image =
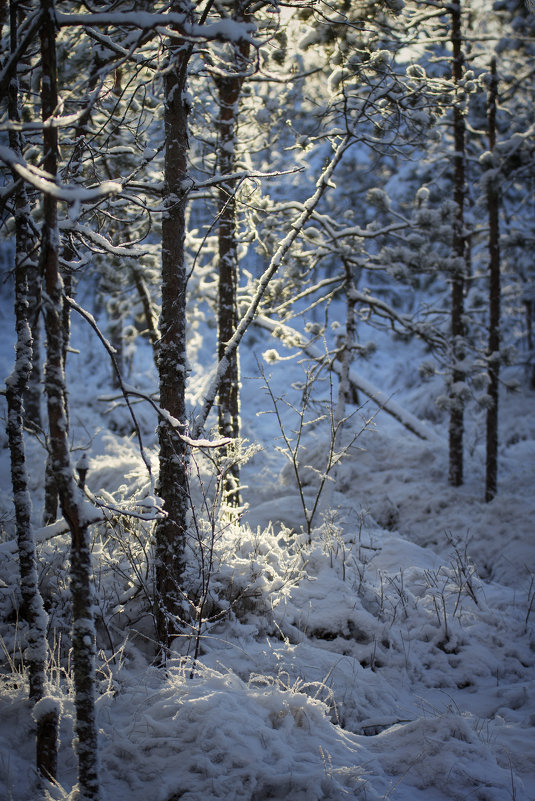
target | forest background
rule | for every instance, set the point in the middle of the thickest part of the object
(239, 241)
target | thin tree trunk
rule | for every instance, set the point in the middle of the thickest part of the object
(229, 90)
(456, 427)
(50, 507)
(71, 500)
(171, 532)
(344, 384)
(32, 604)
(529, 306)
(228, 397)
(50, 511)
(33, 391)
(150, 318)
(345, 393)
(116, 329)
(33, 417)
(493, 201)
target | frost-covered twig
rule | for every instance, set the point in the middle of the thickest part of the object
(294, 339)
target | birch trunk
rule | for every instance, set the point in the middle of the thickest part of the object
(16, 385)
(71, 500)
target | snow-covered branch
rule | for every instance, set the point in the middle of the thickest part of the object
(45, 183)
(173, 24)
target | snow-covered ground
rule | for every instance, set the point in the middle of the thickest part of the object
(389, 657)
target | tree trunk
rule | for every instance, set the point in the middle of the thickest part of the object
(33, 418)
(32, 604)
(151, 323)
(493, 202)
(456, 427)
(229, 88)
(71, 500)
(173, 488)
(50, 511)
(116, 330)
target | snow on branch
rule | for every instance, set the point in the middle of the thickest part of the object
(225, 30)
(164, 415)
(64, 121)
(44, 182)
(96, 242)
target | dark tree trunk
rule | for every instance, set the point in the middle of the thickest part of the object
(50, 510)
(33, 418)
(173, 487)
(229, 90)
(33, 393)
(146, 302)
(348, 393)
(227, 313)
(456, 427)
(32, 604)
(116, 329)
(493, 202)
(71, 500)
(529, 306)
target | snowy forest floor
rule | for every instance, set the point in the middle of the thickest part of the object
(391, 657)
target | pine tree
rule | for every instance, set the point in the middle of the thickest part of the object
(172, 364)
(229, 84)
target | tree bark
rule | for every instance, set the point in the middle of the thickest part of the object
(456, 426)
(32, 611)
(170, 532)
(493, 203)
(229, 90)
(71, 500)
(33, 392)
(151, 323)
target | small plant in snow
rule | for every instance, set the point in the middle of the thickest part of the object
(305, 418)
(333, 541)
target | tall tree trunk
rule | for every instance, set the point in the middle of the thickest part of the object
(32, 604)
(50, 511)
(71, 500)
(229, 89)
(493, 202)
(456, 427)
(173, 487)
(33, 393)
